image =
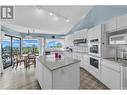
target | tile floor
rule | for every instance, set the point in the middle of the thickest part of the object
(25, 79)
(87, 81)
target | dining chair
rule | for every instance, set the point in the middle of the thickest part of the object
(14, 60)
(20, 60)
(32, 58)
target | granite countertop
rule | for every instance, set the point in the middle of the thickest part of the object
(51, 63)
(119, 62)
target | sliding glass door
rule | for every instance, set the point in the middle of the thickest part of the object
(10, 46)
(6, 51)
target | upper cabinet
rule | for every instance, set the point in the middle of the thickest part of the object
(110, 25)
(77, 35)
(82, 34)
(95, 32)
(69, 40)
(122, 22)
(116, 23)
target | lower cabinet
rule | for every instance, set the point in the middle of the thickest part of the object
(110, 77)
(67, 77)
(85, 60)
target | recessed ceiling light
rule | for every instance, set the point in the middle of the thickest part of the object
(51, 14)
(67, 20)
(39, 11)
(55, 18)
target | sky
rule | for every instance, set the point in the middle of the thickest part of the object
(54, 43)
(16, 43)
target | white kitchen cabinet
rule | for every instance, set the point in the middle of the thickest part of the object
(110, 25)
(80, 57)
(85, 60)
(95, 33)
(82, 34)
(110, 74)
(44, 76)
(66, 77)
(66, 41)
(122, 22)
(110, 78)
(69, 40)
(124, 77)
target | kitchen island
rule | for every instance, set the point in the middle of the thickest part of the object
(61, 73)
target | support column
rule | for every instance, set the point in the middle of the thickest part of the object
(41, 46)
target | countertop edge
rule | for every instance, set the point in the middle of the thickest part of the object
(77, 61)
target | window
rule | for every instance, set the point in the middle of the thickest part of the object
(54, 44)
(30, 45)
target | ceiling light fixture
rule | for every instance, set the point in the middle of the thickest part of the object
(55, 14)
(67, 20)
(28, 36)
(55, 18)
(39, 11)
(51, 14)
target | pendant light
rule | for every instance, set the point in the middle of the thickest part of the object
(28, 36)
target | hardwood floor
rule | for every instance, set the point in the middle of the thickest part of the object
(25, 79)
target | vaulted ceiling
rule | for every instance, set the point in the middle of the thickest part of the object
(47, 19)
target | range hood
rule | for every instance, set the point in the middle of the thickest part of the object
(80, 41)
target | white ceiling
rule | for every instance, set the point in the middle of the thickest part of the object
(39, 19)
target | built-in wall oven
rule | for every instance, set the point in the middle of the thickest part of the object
(94, 47)
(95, 63)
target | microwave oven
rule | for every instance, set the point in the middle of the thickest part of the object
(118, 39)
